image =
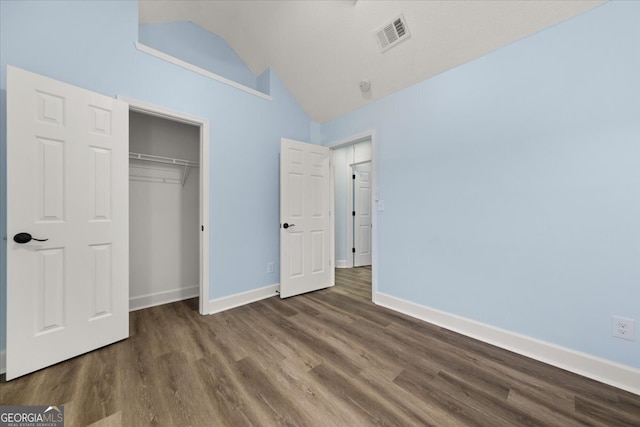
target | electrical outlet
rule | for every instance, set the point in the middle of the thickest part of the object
(623, 328)
(269, 267)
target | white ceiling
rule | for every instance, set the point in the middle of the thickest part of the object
(322, 49)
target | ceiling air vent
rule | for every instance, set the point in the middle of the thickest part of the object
(392, 33)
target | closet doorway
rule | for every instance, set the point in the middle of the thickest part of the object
(168, 207)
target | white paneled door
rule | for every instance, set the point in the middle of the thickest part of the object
(67, 221)
(362, 217)
(305, 218)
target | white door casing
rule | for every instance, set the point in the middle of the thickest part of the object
(305, 218)
(67, 182)
(362, 217)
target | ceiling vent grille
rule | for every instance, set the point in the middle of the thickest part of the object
(392, 33)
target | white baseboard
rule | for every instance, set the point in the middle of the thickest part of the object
(615, 374)
(341, 263)
(3, 362)
(164, 297)
(225, 303)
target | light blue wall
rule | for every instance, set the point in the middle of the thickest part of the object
(263, 82)
(90, 44)
(512, 185)
(193, 44)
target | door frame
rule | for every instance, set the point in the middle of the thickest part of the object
(369, 135)
(203, 124)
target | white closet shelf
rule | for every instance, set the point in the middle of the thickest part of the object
(146, 167)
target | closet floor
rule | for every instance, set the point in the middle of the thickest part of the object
(327, 358)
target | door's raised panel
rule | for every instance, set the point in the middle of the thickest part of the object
(50, 108)
(296, 157)
(317, 160)
(50, 192)
(365, 241)
(50, 295)
(364, 178)
(101, 281)
(99, 121)
(317, 196)
(100, 184)
(296, 254)
(365, 201)
(296, 198)
(317, 252)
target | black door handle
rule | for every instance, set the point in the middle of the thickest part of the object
(26, 238)
(285, 225)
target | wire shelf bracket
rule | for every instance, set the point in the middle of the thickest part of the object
(146, 167)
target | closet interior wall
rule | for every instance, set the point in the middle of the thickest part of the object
(163, 213)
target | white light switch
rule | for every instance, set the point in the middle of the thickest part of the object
(380, 205)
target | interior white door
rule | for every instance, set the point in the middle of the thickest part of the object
(305, 218)
(67, 184)
(362, 217)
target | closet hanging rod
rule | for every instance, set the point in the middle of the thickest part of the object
(165, 160)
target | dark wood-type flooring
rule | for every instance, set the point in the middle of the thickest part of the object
(327, 358)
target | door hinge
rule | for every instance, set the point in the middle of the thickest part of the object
(353, 250)
(353, 176)
(202, 227)
(353, 213)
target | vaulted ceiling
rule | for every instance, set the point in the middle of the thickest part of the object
(322, 49)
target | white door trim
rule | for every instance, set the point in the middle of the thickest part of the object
(351, 140)
(203, 124)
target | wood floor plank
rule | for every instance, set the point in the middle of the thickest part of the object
(97, 393)
(420, 411)
(300, 356)
(266, 394)
(231, 405)
(326, 358)
(181, 391)
(316, 344)
(113, 420)
(359, 398)
(546, 415)
(422, 387)
(605, 413)
(141, 402)
(480, 399)
(342, 340)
